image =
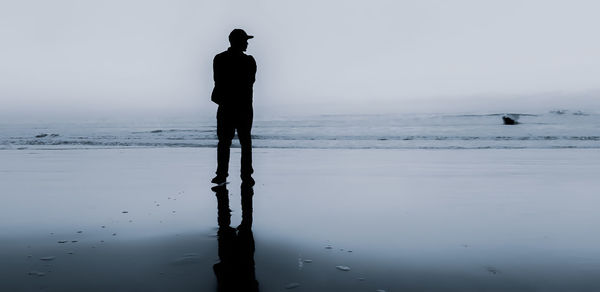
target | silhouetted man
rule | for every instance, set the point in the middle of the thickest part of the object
(234, 74)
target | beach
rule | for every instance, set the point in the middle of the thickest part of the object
(145, 219)
(419, 146)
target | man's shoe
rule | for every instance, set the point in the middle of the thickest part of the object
(248, 181)
(219, 180)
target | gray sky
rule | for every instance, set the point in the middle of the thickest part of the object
(148, 56)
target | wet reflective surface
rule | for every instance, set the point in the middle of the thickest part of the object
(235, 270)
(321, 220)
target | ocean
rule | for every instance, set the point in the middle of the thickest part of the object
(554, 129)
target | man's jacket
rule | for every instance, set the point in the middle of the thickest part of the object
(234, 74)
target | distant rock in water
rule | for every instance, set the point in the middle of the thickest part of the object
(42, 135)
(510, 119)
(559, 111)
(156, 131)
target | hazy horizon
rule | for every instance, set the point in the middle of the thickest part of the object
(145, 58)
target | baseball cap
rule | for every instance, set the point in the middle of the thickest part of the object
(239, 34)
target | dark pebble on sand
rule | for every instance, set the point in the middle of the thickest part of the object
(492, 270)
(50, 258)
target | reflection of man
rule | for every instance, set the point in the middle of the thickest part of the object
(235, 270)
(234, 74)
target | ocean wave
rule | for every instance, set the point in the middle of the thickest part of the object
(488, 115)
(427, 138)
(324, 142)
(431, 131)
(111, 146)
(109, 143)
(158, 131)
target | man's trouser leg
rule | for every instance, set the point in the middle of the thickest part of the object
(225, 133)
(244, 134)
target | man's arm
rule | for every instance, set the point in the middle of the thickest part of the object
(252, 70)
(218, 77)
(217, 70)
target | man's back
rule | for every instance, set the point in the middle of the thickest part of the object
(234, 74)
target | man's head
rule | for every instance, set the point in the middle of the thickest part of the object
(238, 39)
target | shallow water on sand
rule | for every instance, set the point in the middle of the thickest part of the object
(324, 220)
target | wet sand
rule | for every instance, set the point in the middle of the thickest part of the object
(417, 220)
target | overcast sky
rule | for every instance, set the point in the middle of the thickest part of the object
(149, 56)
